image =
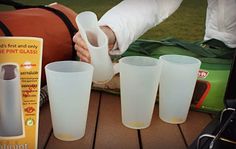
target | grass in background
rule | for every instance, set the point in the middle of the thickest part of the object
(187, 23)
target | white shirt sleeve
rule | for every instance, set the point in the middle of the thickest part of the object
(132, 18)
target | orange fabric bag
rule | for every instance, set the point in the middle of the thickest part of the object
(54, 23)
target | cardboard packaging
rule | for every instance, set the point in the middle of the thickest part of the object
(20, 75)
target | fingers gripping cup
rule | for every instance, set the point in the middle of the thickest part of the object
(178, 79)
(139, 78)
(69, 86)
(11, 114)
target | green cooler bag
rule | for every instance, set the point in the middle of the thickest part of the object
(216, 60)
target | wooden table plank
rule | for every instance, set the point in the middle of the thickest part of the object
(104, 122)
(111, 133)
(87, 141)
(161, 134)
(194, 124)
(45, 125)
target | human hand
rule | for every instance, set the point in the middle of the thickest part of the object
(82, 49)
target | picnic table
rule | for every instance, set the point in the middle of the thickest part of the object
(105, 130)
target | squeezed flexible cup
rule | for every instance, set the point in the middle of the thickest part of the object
(11, 114)
(178, 78)
(139, 78)
(97, 43)
(69, 86)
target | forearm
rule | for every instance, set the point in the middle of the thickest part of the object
(110, 35)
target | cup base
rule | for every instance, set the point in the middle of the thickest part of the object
(101, 82)
(173, 120)
(136, 125)
(67, 138)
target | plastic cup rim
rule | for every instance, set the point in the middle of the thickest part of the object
(191, 60)
(155, 62)
(87, 67)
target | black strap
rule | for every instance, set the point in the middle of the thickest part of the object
(72, 30)
(16, 5)
(5, 30)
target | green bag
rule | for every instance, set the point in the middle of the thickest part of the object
(216, 60)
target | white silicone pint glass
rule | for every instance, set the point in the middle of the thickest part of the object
(69, 87)
(178, 78)
(98, 47)
(11, 113)
(139, 78)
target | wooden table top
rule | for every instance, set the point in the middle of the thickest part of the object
(105, 130)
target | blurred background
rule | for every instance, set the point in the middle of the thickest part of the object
(187, 23)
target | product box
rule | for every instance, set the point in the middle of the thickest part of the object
(20, 73)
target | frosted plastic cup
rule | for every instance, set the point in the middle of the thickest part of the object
(98, 47)
(139, 78)
(178, 78)
(69, 87)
